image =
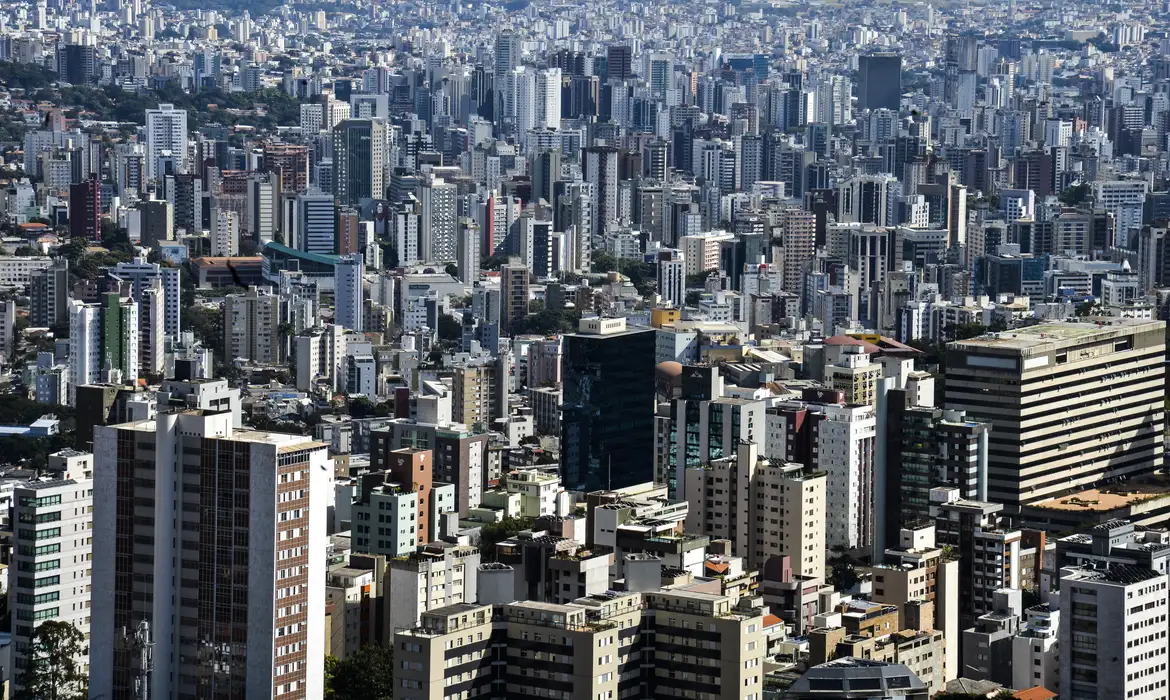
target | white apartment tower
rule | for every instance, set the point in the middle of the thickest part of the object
(166, 135)
(49, 576)
(1113, 638)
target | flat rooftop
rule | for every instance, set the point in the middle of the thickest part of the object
(1112, 497)
(1058, 333)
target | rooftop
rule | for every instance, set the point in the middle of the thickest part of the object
(1049, 336)
(1112, 497)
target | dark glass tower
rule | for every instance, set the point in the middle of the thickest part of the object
(607, 424)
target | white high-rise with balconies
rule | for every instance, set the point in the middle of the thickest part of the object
(166, 134)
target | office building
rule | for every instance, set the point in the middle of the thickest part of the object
(233, 590)
(313, 228)
(879, 81)
(460, 454)
(359, 160)
(85, 210)
(431, 577)
(1071, 404)
(348, 292)
(607, 422)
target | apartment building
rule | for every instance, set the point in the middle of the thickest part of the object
(251, 326)
(821, 431)
(216, 537)
(433, 577)
(51, 567)
(665, 643)
(988, 549)
(765, 508)
(1113, 636)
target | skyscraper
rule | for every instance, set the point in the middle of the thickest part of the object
(49, 294)
(439, 213)
(166, 135)
(359, 160)
(879, 81)
(607, 424)
(350, 274)
(314, 226)
(514, 294)
(85, 210)
(619, 59)
(230, 587)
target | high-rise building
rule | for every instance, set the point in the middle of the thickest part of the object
(103, 337)
(225, 233)
(348, 294)
(607, 424)
(601, 172)
(439, 221)
(987, 546)
(1113, 637)
(513, 294)
(928, 447)
(359, 160)
(658, 626)
(879, 81)
(158, 222)
(823, 432)
(314, 224)
(142, 274)
(672, 277)
(1071, 404)
(290, 163)
(459, 450)
(765, 508)
(166, 138)
(619, 61)
(51, 566)
(251, 326)
(85, 210)
(231, 590)
(49, 295)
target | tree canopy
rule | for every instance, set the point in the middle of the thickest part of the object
(367, 674)
(53, 672)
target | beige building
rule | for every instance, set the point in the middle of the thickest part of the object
(924, 584)
(681, 642)
(765, 507)
(250, 326)
(1072, 404)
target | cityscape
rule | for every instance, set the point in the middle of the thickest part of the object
(446, 349)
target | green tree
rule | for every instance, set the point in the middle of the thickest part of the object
(367, 674)
(450, 329)
(494, 533)
(1074, 195)
(53, 672)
